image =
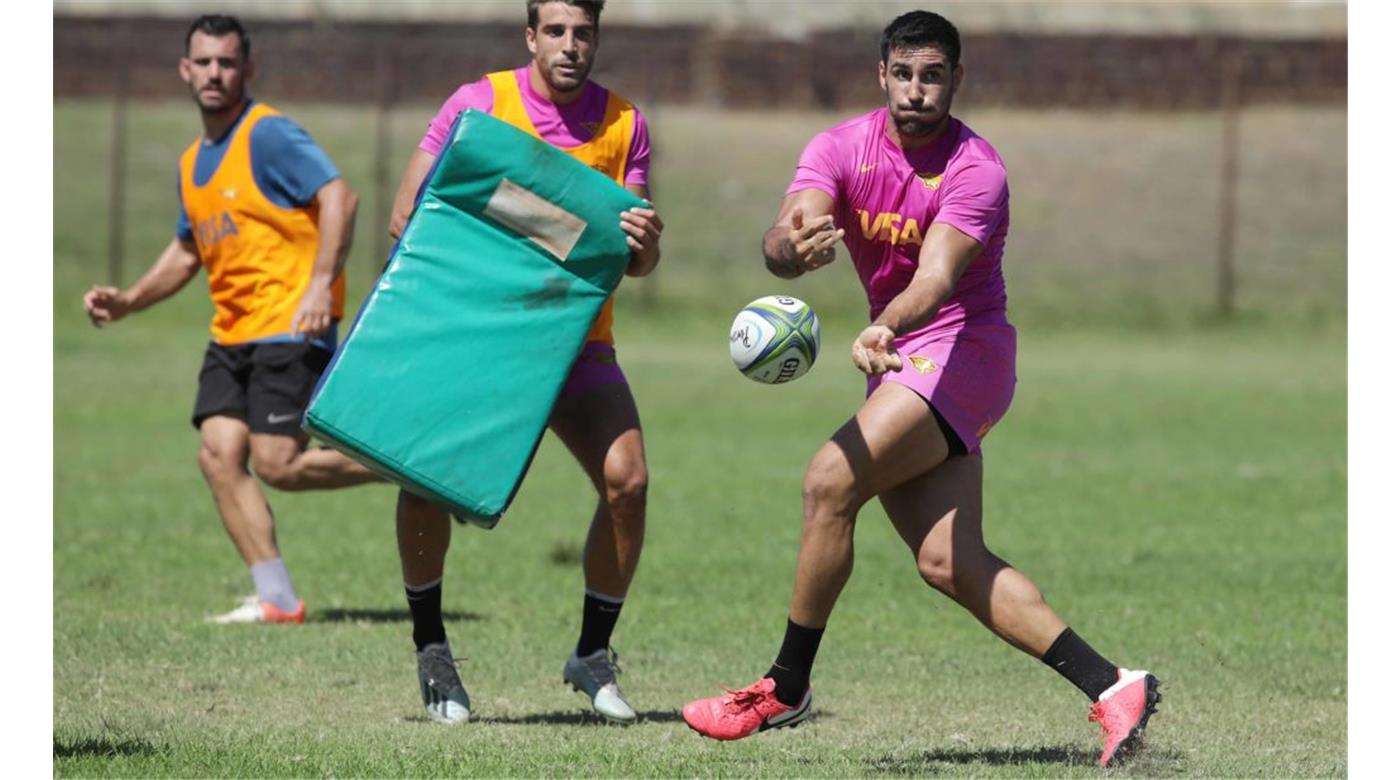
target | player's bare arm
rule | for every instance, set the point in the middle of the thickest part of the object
(335, 221)
(804, 236)
(643, 228)
(177, 264)
(413, 175)
(946, 253)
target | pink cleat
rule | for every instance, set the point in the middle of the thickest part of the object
(1122, 711)
(738, 714)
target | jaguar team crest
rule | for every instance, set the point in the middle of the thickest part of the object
(922, 364)
(930, 180)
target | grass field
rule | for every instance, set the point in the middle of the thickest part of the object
(1176, 486)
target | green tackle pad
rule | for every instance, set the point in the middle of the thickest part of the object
(446, 381)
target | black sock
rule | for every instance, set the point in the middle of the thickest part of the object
(1074, 659)
(599, 618)
(426, 607)
(792, 672)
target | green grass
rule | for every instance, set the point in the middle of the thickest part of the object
(1178, 491)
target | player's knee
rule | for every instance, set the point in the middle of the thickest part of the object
(936, 569)
(627, 485)
(828, 484)
(417, 513)
(217, 465)
(276, 474)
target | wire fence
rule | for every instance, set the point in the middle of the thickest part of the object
(381, 66)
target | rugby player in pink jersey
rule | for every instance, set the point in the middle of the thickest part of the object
(921, 203)
(553, 99)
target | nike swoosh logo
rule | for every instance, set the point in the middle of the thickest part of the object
(281, 418)
(868, 168)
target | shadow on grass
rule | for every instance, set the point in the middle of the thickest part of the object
(381, 616)
(100, 747)
(562, 718)
(927, 763)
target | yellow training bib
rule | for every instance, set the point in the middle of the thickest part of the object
(605, 152)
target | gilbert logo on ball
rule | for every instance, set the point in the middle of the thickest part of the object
(775, 339)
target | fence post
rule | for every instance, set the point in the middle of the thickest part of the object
(116, 185)
(383, 138)
(1231, 72)
(707, 67)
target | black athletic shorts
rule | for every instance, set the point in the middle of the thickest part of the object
(956, 448)
(267, 385)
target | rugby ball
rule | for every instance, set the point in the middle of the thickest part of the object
(775, 339)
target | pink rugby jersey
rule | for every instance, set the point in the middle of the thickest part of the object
(563, 126)
(963, 360)
(886, 199)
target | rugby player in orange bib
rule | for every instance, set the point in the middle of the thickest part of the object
(552, 99)
(269, 218)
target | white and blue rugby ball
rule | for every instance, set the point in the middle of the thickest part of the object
(775, 339)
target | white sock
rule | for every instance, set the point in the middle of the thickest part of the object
(274, 584)
(604, 597)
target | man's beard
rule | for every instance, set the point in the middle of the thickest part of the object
(920, 124)
(227, 97)
(227, 100)
(567, 82)
(916, 129)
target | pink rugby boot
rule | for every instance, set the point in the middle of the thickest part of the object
(737, 714)
(1122, 711)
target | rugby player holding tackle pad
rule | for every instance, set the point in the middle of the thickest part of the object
(446, 381)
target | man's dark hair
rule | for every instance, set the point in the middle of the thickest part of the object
(532, 9)
(219, 25)
(918, 30)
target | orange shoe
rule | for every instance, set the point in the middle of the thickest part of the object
(1122, 711)
(738, 714)
(250, 610)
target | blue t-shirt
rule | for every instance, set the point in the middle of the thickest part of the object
(288, 169)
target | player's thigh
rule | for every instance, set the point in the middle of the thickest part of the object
(223, 383)
(893, 438)
(280, 386)
(939, 514)
(603, 430)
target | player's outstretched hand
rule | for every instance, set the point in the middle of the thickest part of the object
(873, 352)
(814, 240)
(313, 314)
(105, 305)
